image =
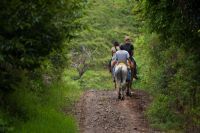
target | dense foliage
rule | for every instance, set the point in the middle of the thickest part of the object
(171, 71)
(105, 21)
(30, 31)
(39, 38)
(32, 47)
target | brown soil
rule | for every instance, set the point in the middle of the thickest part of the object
(102, 112)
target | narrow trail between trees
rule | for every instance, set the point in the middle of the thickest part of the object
(101, 112)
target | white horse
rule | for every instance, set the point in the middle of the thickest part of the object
(120, 74)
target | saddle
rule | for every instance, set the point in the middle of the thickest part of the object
(122, 63)
(128, 64)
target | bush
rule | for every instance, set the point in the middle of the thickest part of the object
(33, 50)
(172, 61)
(160, 114)
(41, 108)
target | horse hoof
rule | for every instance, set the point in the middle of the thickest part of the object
(122, 98)
(128, 94)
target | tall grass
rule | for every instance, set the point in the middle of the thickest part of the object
(46, 111)
(38, 108)
(49, 120)
(97, 79)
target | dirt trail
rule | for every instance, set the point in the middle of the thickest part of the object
(102, 112)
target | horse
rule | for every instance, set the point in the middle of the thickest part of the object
(120, 75)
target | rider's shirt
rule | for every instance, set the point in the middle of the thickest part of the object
(129, 48)
(122, 56)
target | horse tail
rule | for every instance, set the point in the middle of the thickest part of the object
(121, 75)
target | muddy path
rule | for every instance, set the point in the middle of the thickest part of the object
(102, 112)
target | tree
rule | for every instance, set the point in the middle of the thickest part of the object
(32, 35)
(30, 31)
(173, 51)
(81, 60)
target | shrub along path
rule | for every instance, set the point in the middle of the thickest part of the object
(101, 112)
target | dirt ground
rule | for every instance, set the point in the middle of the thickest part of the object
(102, 112)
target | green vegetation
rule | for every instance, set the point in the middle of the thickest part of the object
(50, 111)
(34, 111)
(33, 48)
(105, 21)
(170, 47)
(51, 51)
(101, 79)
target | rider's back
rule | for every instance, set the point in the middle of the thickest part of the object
(122, 56)
(129, 48)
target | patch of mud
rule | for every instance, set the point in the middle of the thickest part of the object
(102, 112)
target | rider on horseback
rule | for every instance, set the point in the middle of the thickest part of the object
(122, 72)
(130, 49)
(114, 49)
(122, 56)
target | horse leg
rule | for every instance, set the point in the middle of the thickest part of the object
(132, 76)
(127, 85)
(118, 89)
(128, 92)
(119, 94)
(123, 88)
(128, 88)
(123, 93)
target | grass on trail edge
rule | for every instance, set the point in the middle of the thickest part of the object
(46, 114)
(50, 121)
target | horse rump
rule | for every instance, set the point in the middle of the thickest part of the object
(120, 78)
